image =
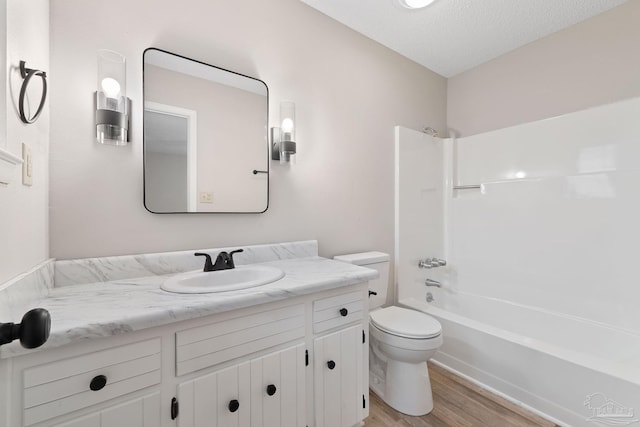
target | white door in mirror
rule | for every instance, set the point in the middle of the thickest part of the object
(242, 277)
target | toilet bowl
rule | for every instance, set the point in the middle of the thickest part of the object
(401, 341)
(404, 340)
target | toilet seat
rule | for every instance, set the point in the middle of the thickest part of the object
(405, 344)
(405, 323)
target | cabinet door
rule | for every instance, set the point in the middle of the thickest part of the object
(218, 399)
(278, 393)
(142, 412)
(338, 377)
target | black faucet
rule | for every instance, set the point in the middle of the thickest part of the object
(224, 260)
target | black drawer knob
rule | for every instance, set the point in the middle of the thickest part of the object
(331, 364)
(98, 382)
(344, 312)
(271, 389)
(234, 405)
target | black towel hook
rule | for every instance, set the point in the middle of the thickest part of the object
(27, 74)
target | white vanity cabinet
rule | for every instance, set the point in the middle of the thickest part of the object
(46, 389)
(260, 366)
(341, 386)
(279, 388)
(140, 412)
(268, 391)
(264, 390)
(217, 399)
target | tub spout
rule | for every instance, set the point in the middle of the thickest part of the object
(435, 283)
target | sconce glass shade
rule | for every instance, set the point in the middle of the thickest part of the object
(288, 131)
(288, 120)
(112, 104)
(415, 4)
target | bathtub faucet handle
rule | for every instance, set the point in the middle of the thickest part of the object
(439, 262)
(431, 263)
(425, 263)
(430, 282)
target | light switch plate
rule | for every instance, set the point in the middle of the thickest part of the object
(27, 166)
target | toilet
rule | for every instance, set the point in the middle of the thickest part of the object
(401, 341)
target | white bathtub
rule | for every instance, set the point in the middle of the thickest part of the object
(572, 371)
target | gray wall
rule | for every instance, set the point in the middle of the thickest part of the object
(349, 91)
(24, 215)
(592, 63)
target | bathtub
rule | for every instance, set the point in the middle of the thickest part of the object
(569, 370)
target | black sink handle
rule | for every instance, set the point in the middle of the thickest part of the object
(208, 265)
(231, 263)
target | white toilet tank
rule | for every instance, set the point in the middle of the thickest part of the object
(378, 261)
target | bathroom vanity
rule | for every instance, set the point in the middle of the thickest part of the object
(290, 353)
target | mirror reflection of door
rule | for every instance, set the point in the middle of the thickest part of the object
(170, 160)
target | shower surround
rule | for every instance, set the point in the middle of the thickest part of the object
(539, 297)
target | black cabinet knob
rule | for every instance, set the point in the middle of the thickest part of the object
(234, 405)
(98, 382)
(344, 312)
(271, 389)
(331, 364)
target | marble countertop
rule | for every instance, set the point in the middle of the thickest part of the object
(88, 311)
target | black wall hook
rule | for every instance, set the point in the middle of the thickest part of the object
(27, 74)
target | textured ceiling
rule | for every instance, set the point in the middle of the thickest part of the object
(452, 36)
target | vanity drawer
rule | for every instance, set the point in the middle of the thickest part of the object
(65, 386)
(212, 344)
(332, 312)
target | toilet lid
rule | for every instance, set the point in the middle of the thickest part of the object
(406, 323)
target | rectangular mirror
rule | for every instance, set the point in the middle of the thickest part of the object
(206, 147)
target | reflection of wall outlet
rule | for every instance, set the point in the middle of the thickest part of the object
(206, 197)
(27, 166)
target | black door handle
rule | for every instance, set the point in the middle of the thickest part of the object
(234, 405)
(331, 364)
(344, 312)
(32, 332)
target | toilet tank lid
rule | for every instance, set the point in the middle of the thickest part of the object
(363, 258)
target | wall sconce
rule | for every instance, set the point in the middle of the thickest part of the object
(283, 146)
(112, 104)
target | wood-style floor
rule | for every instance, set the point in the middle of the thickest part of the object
(456, 402)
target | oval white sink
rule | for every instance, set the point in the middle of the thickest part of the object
(241, 277)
